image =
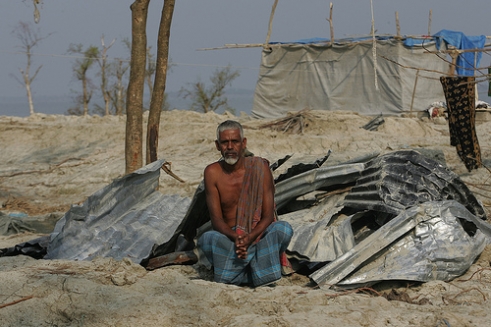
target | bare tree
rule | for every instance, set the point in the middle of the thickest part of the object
(102, 61)
(134, 100)
(80, 68)
(150, 70)
(29, 39)
(117, 91)
(211, 98)
(158, 98)
(150, 73)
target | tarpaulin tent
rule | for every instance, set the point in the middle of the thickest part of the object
(323, 75)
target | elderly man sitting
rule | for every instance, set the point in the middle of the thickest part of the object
(246, 245)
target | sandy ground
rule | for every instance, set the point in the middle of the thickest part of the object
(48, 163)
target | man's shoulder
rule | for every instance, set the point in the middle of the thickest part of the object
(215, 166)
(255, 160)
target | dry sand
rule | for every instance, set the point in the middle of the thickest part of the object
(48, 163)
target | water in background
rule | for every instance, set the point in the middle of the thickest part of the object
(18, 106)
(239, 99)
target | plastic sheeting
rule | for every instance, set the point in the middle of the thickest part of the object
(321, 76)
(123, 220)
(467, 62)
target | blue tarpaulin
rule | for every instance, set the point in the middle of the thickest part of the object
(467, 62)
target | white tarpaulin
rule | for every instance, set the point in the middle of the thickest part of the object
(319, 76)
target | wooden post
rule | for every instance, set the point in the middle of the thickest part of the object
(454, 54)
(398, 26)
(374, 47)
(331, 26)
(489, 81)
(414, 90)
(270, 26)
(429, 22)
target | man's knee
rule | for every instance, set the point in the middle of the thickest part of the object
(208, 238)
(282, 231)
(282, 227)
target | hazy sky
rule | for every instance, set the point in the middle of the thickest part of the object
(210, 23)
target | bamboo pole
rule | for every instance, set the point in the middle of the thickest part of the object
(374, 48)
(415, 68)
(429, 22)
(489, 81)
(398, 26)
(257, 45)
(461, 50)
(454, 54)
(414, 90)
(331, 26)
(270, 26)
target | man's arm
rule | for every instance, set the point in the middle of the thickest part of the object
(213, 202)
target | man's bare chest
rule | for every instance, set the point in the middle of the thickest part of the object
(229, 188)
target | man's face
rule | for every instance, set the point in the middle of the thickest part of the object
(230, 145)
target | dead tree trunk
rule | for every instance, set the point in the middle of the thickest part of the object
(86, 95)
(103, 66)
(120, 89)
(134, 102)
(27, 84)
(159, 82)
(29, 39)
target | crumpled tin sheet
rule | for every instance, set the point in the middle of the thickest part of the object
(316, 179)
(425, 242)
(398, 180)
(315, 238)
(125, 219)
(385, 187)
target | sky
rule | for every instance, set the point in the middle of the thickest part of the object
(199, 24)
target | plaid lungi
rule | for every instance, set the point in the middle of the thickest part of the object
(262, 265)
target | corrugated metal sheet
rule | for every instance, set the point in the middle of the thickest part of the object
(393, 216)
(372, 227)
(123, 220)
(425, 242)
(394, 182)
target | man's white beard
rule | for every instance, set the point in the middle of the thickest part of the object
(231, 160)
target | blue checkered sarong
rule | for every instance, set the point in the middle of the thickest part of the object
(262, 265)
